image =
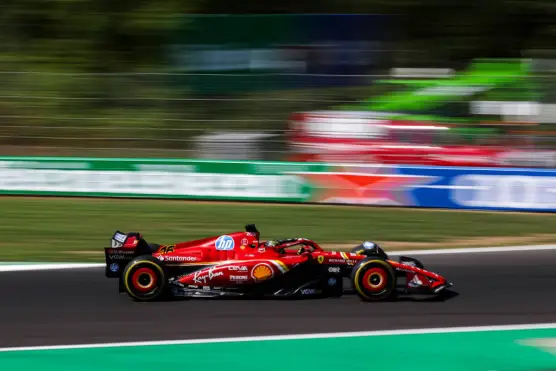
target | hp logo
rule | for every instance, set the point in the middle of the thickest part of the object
(225, 243)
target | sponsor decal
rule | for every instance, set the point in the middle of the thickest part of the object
(201, 276)
(250, 234)
(415, 282)
(308, 292)
(118, 256)
(337, 260)
(242, 247)
(262, 272)
(178, 258)
(213, 274)
(347, 259)
(352, 254)
(506, 191)
(244, 241)
(165, 249)
(334, 269)
(262, 249)
(114, 267)
(120, 251)
(237, 268)
(144, 183)
(239, 278)
(120, 237)
(225, 243)
(320, 259)
(331, 281)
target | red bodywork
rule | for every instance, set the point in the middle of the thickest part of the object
(352, 137)
(239, 258)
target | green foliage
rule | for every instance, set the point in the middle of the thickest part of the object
(90, 35)
(60, 40)
(46, 229)
(72, 60)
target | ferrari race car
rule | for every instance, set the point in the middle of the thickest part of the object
(239, 264)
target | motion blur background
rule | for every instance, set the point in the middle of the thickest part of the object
(416, 104)
(423, 82)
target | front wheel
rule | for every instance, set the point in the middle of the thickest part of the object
(144, 279)
(374, 280)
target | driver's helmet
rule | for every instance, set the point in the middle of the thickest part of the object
(370, 245)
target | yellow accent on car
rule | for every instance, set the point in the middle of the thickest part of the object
(262, 272)
(356, 280)
(126, 277)
(282, 265)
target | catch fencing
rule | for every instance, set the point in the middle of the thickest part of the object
(155, 115)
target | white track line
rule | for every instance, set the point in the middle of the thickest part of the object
(44, 267)
(440, 330)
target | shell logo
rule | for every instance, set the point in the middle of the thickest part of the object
(262, 272)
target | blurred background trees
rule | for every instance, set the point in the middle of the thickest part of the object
(50, 48)
(127, 35)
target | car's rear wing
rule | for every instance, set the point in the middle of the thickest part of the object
(123, 248)
(118, 239)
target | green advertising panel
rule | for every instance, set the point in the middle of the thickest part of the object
(218, 51)
(156, 178)
(223, 54)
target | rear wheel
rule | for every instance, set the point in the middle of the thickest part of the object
(374, 280)
(144, 279)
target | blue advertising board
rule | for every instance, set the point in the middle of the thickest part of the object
(482, 188)
(340, 48)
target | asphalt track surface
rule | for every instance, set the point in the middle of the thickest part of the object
(80, 306)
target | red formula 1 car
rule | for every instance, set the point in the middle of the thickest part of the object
(239, 264)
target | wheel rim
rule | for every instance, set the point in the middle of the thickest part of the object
(375, 279)
(144, 279)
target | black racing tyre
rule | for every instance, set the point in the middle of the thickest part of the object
(374, 280)
(144, 279)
